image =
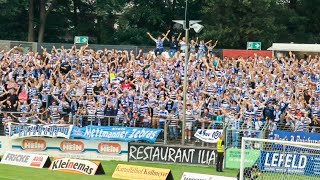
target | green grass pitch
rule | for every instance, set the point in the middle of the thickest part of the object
(8, 172)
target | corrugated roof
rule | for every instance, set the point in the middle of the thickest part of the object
(295, 47)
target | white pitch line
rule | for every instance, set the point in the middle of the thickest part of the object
(5, 177)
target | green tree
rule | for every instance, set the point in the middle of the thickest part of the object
(236, 22)
(13, 19)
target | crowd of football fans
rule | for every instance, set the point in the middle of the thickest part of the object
(145, 89)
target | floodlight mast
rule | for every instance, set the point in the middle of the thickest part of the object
(186, 26)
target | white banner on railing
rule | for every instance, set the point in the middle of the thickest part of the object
(208, 135)
(30, 130)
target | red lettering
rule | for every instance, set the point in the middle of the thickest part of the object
(70, 165)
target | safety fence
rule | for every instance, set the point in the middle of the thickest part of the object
(203, 133)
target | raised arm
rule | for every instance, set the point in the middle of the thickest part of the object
(14, 116)
(208, 42)
(44, 50)
(165, 37)
(151, 37)
(56, 98)
(179, 37)
(215, 44)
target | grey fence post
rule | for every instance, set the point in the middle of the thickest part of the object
(165, 133)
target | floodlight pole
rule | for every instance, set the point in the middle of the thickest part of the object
(186, 26)
(185, 82)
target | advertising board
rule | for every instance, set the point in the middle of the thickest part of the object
(290, 163)
(233, 157)
(25, 159)
(71, 148)
(131, 172)
(172, 154)
(196, 176)
(77, 166)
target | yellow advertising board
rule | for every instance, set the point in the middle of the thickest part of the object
(123, 171)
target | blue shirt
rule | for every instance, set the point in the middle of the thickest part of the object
(159, 44)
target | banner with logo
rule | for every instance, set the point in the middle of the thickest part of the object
(296, 136)
(131, 172)
(27, 160)
(233, 157)
(30, 130)
(77, 166)
(208, 135)
(196, 176)
(290, 163)
(78, 149)
(115, 133)
(172, 154)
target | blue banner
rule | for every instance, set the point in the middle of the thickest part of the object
(290, 163)
(296, 136)
(115, 133)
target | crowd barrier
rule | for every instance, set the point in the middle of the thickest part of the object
(201, 137)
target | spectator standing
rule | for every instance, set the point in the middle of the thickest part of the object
(159, 43)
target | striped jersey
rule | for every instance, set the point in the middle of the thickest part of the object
(163, 114)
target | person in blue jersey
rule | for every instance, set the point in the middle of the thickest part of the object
(159, 43)
(202, 49)
(163, 117)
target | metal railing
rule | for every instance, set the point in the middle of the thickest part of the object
(170, 134)
(233, 135)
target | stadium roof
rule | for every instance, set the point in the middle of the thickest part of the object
(295, 47)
